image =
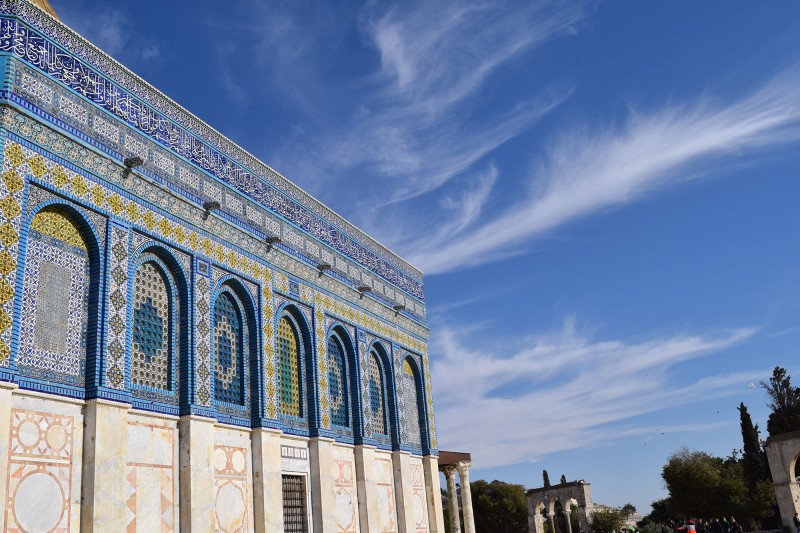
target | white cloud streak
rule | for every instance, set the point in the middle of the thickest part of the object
(563, 391)
(584, 172)
(416, 128)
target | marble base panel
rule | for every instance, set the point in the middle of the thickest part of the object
(74, 466)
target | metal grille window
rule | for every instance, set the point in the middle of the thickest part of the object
(294, 504)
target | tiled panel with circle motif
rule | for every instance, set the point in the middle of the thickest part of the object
(230, 489)
(39, 479)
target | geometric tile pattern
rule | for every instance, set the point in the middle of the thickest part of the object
(15, 167)
(54, 300)
(399, 397)
(202, 298)
(229, 348)
(289, 389)
(150, 478)
(151, 346)
(409, 387)
(231, 499)
(337, 383)
(148, 117)
(377, 395)
(117, 308)
(323, 386)
(39, 472)
(268, 347)
(107, 200)
(363, 378)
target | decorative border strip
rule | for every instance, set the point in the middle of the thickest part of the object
(265, 187)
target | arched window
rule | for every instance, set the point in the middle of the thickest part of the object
(230, 347)
(289, 382)
(55, 316)
(377, 395)
(337, 383)
(412, 406)
(153, 344)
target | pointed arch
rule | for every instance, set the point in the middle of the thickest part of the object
(235, 347)
(159, 329)
(295, 363)
(342, 381)
(414, 404)
(381, 395)
(58, 333)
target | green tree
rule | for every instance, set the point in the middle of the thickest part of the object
(499, 507)
(784, 403)
(545, 479)
(607, 520)
(754, 459)
(563, 479)
(702, 485)
(629, 508)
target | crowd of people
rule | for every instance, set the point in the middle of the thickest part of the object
(711, 525)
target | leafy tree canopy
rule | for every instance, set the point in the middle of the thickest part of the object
(499, 507)
(608, 520)
(784, 403)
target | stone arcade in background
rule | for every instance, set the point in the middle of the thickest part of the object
(783, 454)
(188, 341)
(546, 503)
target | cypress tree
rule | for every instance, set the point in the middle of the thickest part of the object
(545, 478)
(754, 459)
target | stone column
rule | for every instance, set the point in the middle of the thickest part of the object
(552, 522)
(466, 496)
(368, 507)
(569, 523)
(430, 464)
(323, 488)
(267, 481)
(105, 452)
(452, 498)
(403, 491)
(6, 392)
(196, 456)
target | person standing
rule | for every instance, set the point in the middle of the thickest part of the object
(735, 526)
(726, 527)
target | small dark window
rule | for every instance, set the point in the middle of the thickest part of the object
(294, 504)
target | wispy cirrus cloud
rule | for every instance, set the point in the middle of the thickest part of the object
(588, 389)
(583, 172)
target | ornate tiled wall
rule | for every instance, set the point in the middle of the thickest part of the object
(81, 168)
(117, 284)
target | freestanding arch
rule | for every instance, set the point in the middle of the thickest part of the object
(783, 454)
(573, 495)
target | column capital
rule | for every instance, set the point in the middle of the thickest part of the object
(449, 471)
(463, 467)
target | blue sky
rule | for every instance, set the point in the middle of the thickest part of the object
(603, 197)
